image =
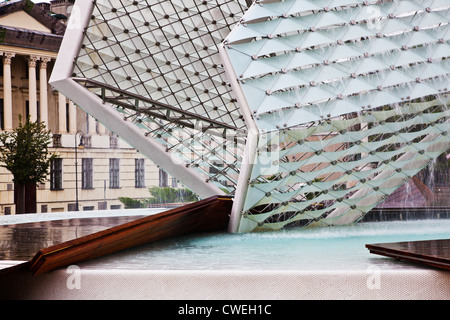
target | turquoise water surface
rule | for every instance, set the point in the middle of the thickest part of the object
(330, 248)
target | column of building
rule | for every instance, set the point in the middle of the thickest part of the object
(43, 98)
(92, 125)
(32, 90)
(33, 61)
(72, 117)
(65, 127)
(62, 127)
(7, 92)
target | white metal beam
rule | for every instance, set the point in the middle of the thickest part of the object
(249, 152)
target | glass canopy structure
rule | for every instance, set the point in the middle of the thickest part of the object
(308, 112)
(151, 73)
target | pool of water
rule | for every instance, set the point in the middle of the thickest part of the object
(331, 248)
(39, 217)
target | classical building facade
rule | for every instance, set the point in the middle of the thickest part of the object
(107, 167)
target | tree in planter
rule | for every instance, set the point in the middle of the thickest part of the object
(24, 152)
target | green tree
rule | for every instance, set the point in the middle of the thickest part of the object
(170, 195)
(131, 203)
(24, 152)
(161, 195)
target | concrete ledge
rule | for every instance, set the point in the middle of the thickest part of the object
(375, 284)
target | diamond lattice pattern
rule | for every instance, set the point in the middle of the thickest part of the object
(157, 62)
(350, 99)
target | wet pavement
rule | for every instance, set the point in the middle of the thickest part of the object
(21, 242)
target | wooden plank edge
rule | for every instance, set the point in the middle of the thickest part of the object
(47, 259)
(399, 255)
(386, 247)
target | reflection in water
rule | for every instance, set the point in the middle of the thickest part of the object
(22, 241)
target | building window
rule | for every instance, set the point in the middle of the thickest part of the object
(113, 141)
(163, 178)
(139, 173)
(87, 174)
(57, 140)
(114, 173)
(56, 174)
(67, 117)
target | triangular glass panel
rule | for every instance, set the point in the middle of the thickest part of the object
(434, 70)
(354, 33)
(369, 65)
(419, 39)
(288, 81)
(257, 12)
(395, 26)
(329, 19)
(441, 51)
(274, 46)
(343, 52)
(330, 73)
(316, 38)
(289, 25)
(249, 48)
(421, 90)
(381, 98)
(258, 67)
(406, 7)
(392, 78)
(357, 86)
(272, 103)
(242, 33)
(381, 45)
(303, 6)
(316, 95)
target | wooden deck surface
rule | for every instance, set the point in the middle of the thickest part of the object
(434, 253)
